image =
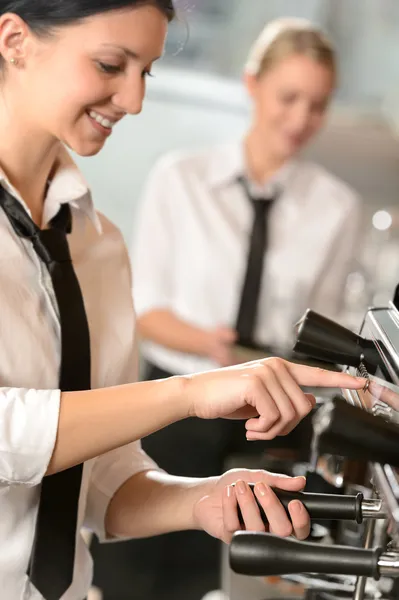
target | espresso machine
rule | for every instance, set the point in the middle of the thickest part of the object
(358, 432)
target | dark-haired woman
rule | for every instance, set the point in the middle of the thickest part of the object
(68, 427)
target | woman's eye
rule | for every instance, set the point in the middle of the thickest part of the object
(319, 108)
(147, 74)
(110, 69)
(288, 98)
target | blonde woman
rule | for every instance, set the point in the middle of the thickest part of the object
(197, 213)
(202, 284)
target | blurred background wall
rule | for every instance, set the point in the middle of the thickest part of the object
(196, 98)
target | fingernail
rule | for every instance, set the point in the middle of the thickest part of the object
(229, 491)
(301, 477)
(241, 487)
(297, 505)
(261, 488)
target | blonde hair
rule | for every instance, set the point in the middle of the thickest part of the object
(286, 37)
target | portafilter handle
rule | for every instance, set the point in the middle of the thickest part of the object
(263, 555)
(325, 506)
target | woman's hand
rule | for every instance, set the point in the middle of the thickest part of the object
(216, 513)
(266, 393)
(220, 346)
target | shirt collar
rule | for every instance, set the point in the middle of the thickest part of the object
(67, 186)
(229, 164)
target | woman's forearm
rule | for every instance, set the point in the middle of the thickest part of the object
(135, 510)
(166, 329)
(97, 421)
(94, 422)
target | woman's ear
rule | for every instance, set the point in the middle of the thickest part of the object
(14, 35)
(251, 83)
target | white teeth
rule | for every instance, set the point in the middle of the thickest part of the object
(102, 120)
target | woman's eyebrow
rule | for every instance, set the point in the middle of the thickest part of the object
(130, 53)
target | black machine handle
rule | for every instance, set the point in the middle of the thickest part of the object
(262, 555)
(319, 506)
(323, 339)
(354, 433)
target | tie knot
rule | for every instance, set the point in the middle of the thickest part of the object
(262, 204)
(261, 207)
(50, 244)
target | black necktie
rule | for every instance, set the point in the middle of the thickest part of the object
(248, 307)
(53, 554)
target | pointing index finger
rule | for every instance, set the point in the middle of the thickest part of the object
(316, 377)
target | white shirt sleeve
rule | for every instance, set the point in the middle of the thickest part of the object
(109, 473)
(329, 297)
(152, 254)
(28, 431)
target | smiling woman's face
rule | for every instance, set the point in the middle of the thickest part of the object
(78, 82)
(291, 102)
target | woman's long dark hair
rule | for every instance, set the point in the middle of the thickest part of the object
(44, 15)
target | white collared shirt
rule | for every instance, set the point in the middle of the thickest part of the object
(30, 361)
(192, 242)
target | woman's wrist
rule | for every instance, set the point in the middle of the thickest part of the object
(175, 391)
(190, 389)
(201, 489)
(189, 493)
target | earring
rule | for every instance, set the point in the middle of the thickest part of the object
(13, 61)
